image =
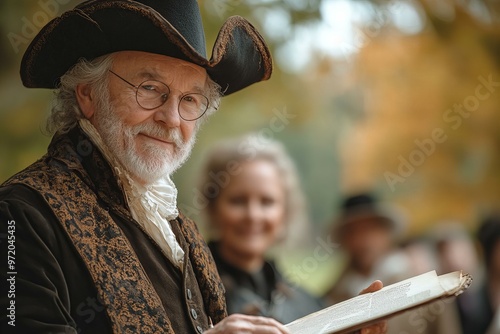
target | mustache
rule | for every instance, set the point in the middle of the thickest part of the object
(154, 130)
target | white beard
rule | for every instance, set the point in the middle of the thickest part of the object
(154, 162)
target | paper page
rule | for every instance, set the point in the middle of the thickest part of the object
(455, 284)
(361, 309)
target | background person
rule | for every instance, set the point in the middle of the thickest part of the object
(258, 205)
(456, 250)
(368, 233)
(488, 311)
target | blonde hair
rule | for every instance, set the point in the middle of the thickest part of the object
(223, 160)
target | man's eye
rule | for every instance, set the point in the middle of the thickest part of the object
(150, 88)
(190, 99)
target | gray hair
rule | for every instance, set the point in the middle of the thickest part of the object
(66, 111)
(226, 159)
(214, 95)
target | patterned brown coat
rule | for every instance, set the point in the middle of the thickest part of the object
(85, 265)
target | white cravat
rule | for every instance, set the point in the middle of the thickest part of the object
(151, 205)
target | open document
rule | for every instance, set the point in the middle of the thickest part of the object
(363, 310)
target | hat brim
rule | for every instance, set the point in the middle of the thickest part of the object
(240, 56)
(389, 217)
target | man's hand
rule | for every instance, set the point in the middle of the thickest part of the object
(379, 327)
(246, 324)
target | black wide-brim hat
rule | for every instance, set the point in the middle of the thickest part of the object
(172, 28)
(365, 207)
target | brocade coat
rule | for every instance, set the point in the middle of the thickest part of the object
(82, 264)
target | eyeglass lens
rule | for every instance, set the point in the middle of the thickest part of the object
(152, 94)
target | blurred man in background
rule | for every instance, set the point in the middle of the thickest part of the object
(455, 250)
(368, 232)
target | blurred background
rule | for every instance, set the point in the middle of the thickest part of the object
(400, 97)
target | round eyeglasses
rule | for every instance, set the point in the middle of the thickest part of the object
(152, 94)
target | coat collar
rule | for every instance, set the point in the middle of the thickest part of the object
(80, 155)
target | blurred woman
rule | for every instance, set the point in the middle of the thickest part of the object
(253, 200)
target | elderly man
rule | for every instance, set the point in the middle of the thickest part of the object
(97, 244)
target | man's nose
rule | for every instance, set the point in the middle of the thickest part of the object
(168, 113)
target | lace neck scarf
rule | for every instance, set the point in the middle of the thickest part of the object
(152, 205)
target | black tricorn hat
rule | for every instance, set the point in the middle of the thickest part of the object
(172, 28)
(365, 206)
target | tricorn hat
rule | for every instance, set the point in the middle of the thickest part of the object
(172, 28)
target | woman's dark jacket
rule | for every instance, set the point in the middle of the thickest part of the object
(264, 293)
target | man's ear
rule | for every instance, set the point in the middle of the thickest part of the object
(84, 97)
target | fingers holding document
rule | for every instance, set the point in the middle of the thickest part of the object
(379, 327)
(375, 286)
(245, 324)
